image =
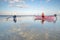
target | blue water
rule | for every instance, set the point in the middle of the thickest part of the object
(29, 29)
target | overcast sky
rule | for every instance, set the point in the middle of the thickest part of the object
(29, 7)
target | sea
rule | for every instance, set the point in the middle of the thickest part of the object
(26, 28)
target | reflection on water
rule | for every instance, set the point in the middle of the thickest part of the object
(28, 29)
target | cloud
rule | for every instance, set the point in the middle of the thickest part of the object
(59, 11)
(17, 0)
(32, 0)
(13, 0)
(5, 0)
(5, 13)
(19, 6)
(48, 0)
(17, 3)
(22, 6)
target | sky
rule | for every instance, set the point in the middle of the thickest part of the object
(29, 7)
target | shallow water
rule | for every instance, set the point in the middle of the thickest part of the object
(27, 28)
